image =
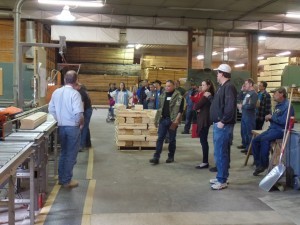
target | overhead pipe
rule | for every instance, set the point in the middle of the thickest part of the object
(17, 89)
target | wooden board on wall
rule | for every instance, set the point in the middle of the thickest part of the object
(1, 81)
(7, 39)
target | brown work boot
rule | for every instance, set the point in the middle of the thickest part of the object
(72, 184)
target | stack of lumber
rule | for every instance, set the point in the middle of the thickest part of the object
(98, 85)
(164, 62)
(272, 71)
(164, 75)
(100, 55)
(295, 61)
(135, 128)
(110, 69)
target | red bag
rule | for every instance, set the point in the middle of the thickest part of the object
(194, 131)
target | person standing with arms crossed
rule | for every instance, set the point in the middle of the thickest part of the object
(167, 118)
(67, 109)
(223, 116)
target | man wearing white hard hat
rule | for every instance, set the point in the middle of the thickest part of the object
(223, 116)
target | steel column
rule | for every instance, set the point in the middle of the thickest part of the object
(208, 48)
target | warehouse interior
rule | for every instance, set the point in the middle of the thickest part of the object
(113, 41)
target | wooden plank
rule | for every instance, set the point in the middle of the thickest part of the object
(33, 121)
(277, 60)
(151, 138)
(133, 126)
(131, 137)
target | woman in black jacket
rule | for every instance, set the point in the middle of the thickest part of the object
(203, 121)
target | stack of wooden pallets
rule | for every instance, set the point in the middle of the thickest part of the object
(135, 129)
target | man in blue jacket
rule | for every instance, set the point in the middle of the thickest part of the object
(261, 144)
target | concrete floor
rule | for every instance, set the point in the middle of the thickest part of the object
(126, 189)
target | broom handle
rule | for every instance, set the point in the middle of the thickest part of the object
(283, 146)
(287, 116)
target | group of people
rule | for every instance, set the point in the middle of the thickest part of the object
(219, 109)
(147, 94)
(71, 107)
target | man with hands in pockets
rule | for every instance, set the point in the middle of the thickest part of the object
(223, 116)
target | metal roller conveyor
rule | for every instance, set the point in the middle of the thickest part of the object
(13, 157)
(21, 136)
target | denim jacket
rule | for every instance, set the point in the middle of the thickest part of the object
(279, 115)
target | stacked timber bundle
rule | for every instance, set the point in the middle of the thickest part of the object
(272, 71)
(135, 128)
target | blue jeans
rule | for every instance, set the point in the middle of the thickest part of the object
(69, 140)
(204, 143)
(248, 124)
(84, 132)
(243, 132)
(222, 139)
(261, 146)
(163, 129)
(188, 120)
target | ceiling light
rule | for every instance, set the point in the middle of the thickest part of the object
(229, 49)
(73, 3)
(260, 57)
(284, 53)
(293, 15)
(65, 14)
(215, 53)
(262, 38)
(137, 46)
(199, 57)
(130, 46)
(239, 65)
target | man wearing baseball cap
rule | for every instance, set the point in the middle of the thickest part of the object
(223, 116)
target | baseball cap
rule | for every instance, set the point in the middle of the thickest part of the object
(224, 68)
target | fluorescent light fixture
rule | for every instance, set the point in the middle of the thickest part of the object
(199, 57)
(229, 49)
(65, 14)
(239, 65)
(284, 53)
(260, 57)
(214, 53)
(262, 38)
(137, 46)
(130, 46)
(73, 3)
(293, 15)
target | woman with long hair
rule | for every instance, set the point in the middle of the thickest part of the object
(122, 95)
(203, 121)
